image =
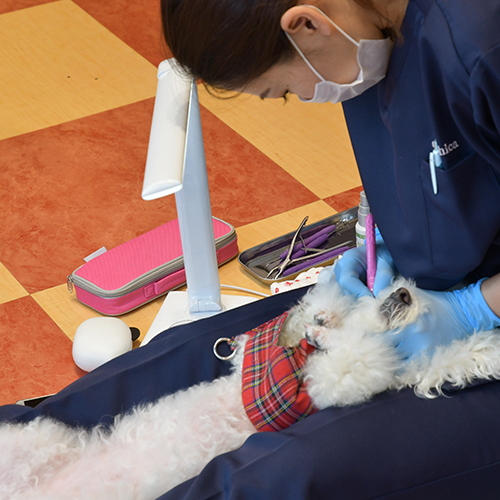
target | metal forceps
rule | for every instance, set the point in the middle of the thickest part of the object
(287, 260)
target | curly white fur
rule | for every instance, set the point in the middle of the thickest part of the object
(146, 453)
(459, 364)
(157, 446)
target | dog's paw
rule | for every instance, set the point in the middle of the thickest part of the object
(326, 319)
(316, 336)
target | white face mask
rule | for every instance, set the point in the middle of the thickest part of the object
(373, 59)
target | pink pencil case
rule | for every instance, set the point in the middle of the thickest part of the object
(142, 269)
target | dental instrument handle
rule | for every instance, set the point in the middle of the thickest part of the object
(371, 258)
(310, 245)
(310, 242)
(315, 260)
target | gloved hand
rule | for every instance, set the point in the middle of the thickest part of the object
(451, 315)
(350, 270)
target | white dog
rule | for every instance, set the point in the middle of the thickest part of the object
(157, 446)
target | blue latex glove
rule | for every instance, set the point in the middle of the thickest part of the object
(350, 271)
(452, 315)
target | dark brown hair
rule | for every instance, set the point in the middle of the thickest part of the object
(228, 43)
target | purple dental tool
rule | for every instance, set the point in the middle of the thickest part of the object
(313, 241)
(371, 257)
(315, 260)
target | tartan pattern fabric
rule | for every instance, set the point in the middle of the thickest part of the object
(274, 395)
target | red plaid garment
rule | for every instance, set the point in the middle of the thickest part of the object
(273, 391)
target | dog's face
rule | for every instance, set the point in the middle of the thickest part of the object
(326, 310)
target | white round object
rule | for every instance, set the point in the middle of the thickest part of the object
(98, 340)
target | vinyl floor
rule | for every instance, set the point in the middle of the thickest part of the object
(77, 87)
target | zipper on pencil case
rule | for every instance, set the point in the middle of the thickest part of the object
(150, 277)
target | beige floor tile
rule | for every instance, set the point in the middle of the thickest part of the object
(10, 288)
(60, 64)
(234, 274)
(68, 313)
(310, 141)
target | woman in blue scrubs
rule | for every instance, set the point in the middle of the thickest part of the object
(419, 81)
(416, 77)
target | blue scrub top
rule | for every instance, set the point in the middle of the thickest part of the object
(443, 83)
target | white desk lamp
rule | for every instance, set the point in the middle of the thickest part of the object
(176, 164)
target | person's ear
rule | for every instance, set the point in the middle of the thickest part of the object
(304, 20)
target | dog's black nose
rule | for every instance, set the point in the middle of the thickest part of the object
(402, 295)
(396, 304)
